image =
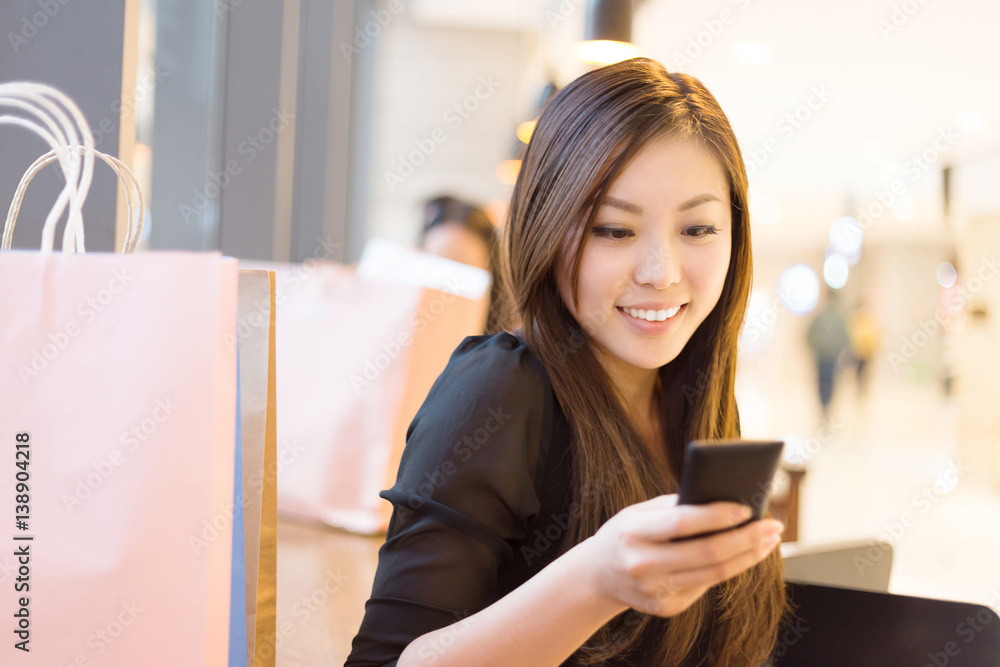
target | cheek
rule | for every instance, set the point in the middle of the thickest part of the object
(599, 274)
(708, 273)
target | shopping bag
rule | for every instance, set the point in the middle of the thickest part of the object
(119, 414)
(256, 344)
(358, 357)
(129, 409)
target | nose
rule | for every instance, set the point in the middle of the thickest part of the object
(658, 264)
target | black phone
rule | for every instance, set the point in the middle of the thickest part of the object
(739, 471)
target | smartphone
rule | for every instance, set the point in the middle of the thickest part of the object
(738, 471)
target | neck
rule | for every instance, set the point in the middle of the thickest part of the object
(635, 386)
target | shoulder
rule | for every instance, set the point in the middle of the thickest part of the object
(481, 439)
(493, 397)
(499, 365)
(504, 353)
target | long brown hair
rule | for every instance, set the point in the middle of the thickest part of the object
(584, 138)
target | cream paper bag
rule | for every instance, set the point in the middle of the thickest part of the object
(358, 356)
(256, 335)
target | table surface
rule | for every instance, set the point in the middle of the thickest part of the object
(324, 578)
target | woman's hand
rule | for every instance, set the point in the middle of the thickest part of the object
(635, 563)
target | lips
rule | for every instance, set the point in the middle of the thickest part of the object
(650, 314)
(654, 327)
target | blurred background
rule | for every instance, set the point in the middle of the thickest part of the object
(291, 130)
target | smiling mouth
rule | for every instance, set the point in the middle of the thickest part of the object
(651, 315)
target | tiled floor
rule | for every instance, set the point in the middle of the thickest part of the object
(881, 461)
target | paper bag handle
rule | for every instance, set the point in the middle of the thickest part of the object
(65, 131)
(135, 215)
(58, 139)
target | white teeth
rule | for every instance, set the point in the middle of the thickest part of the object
(652, 315)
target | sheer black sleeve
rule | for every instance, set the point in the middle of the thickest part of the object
(467, 488)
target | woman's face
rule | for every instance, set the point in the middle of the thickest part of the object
(656, 261)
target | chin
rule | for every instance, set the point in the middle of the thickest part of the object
(651, 360)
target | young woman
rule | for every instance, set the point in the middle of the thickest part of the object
(532, 524)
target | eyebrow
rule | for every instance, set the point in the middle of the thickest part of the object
(629, 207)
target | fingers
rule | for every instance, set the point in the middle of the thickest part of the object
(719, 556)
(759, 537)
(673, 592)
(712, 574)
(661, 519)
(667, 575)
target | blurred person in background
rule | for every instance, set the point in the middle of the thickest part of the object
(827, 338)
(462, 232)
(863, 332)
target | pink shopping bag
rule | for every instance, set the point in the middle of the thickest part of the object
(358, 357)
(119, 400)
(118, 426)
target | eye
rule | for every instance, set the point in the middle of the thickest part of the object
(613, 233)
(699, 231)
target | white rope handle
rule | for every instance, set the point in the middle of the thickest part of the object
(68, 191)
(133, 192)
(67, 137)
(74, 224)
(57, 139)
(78, 178)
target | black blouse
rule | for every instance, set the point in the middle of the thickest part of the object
(481, 500)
